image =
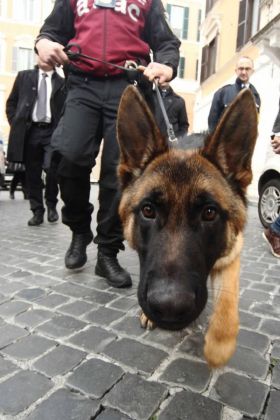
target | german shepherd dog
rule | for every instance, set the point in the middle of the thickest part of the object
(184, 212)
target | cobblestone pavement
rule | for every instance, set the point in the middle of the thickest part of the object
(71, 347)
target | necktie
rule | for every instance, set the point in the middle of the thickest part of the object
(41, 112)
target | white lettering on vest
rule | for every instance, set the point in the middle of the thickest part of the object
(82, 7)
(143, 2)
(121, 6)
(132, 11)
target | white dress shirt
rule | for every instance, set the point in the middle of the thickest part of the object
(49, 92)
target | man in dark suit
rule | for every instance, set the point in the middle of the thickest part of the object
(225, 95)
(175, 108)
(33, 110)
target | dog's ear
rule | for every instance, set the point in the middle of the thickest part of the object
(139, 137)
(232, 144)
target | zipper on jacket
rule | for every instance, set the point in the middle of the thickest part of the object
(105, 39)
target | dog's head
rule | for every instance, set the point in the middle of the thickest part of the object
(182, 210)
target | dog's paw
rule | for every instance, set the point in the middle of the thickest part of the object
(145, 322)
(217, 352)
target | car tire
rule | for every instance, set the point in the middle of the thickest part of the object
(269, 202)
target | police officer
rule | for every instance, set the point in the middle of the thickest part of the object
(115, 32)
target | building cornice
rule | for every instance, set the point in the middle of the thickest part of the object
(268, 39)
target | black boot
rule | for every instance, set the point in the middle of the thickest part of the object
(12, 195)
(76, 255)
(52, 214)
(108, 266)
(36, 220)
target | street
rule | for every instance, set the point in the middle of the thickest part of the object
(71, 347)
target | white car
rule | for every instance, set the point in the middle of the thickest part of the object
(269, 191)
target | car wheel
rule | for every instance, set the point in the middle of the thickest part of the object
(269, 202)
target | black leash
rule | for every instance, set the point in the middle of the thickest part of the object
(169, 126)
(74, 53)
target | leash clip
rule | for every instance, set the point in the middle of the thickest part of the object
(171, 135)
(73, 51)
(130, 65)
(131, 68)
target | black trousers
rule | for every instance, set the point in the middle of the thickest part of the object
(37, 159)
(89, 116)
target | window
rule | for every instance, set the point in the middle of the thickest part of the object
(208, 64)
(27, 10)
(23, 59)
(178, 18)
(2, 53)
(47, 7)
(181, 68)
(248, 21)
(3, 8)
(196, 69)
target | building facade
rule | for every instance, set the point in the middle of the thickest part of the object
(185, 17)
(250, 28)
(20, 21)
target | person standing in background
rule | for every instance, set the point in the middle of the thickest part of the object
(33, 110)
(175, 108)
(18, 178)
(225, 95)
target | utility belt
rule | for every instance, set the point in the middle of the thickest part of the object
(131, 75)
(42, 124)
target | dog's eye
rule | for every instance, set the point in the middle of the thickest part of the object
(148, 212)
(209, 213)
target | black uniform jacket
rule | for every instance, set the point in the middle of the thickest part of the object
(276, 126)
(223, 97)
(176, 111)
(20, 104)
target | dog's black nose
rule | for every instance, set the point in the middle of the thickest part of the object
(172, 309)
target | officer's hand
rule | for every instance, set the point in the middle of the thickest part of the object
(275, 143)
(51, 52)
(157, 71)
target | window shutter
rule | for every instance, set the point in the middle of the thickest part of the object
(241, 24)
(168, 11)
(204, 59)
(182, 67)
(198, 25)
(186, 23)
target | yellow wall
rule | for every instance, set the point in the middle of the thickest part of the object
(13, 33)
(225, 20)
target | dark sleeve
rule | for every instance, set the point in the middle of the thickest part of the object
(276, 126)
(216, 111)
(12, 101)
(59, 25)
(163, 43)
(183, 123)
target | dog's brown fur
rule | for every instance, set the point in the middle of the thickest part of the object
(184, 212)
